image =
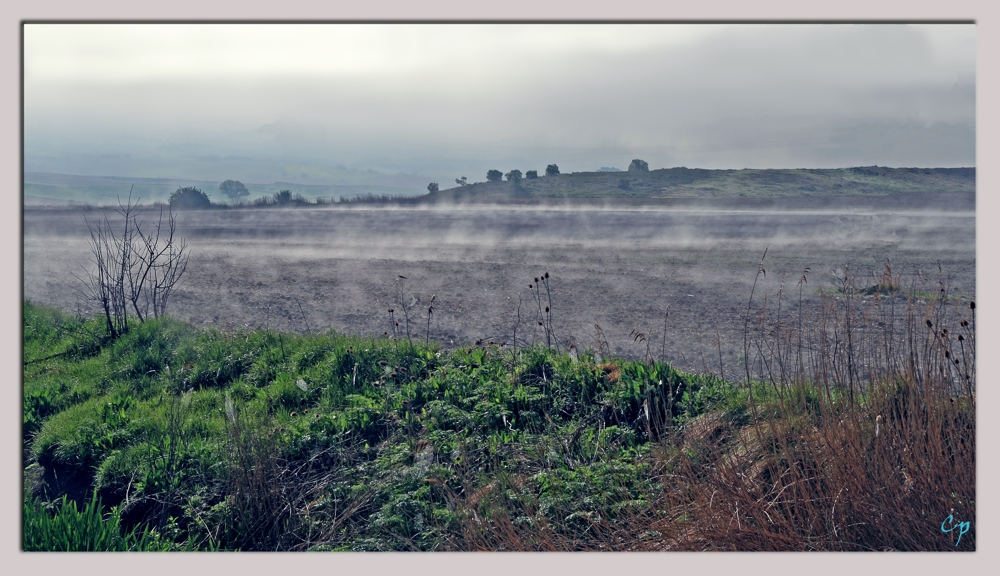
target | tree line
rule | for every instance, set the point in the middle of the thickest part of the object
(515, 175)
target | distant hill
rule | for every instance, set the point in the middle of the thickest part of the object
(666, 185)
(722, 184)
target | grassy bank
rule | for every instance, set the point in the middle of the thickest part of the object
(259, 440)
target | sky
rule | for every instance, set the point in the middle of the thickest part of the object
(319, 102)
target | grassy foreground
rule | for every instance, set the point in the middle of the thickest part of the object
(180, 438)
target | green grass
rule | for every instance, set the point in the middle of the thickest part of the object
(63, 527)
(145, 416)
(258, 440)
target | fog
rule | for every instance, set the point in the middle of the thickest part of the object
(263, 102)
(620, 267)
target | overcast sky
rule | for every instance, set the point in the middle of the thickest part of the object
(440, 101)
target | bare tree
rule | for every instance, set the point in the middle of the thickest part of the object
(135, 268)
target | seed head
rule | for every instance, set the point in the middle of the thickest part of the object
(961, 338)
(929, 324)
(546, 274)
(972, 305)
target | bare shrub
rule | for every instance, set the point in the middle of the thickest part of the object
(137, 265)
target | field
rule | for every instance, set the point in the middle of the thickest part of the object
(621, 267)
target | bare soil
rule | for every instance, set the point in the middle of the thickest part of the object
(622, 268)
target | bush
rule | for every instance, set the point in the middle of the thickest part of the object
(624, 184)
(494, 176)
(432, 187)
(513, 175)
(189, 198)
(552, 170)
(638, 166)
(531, 174)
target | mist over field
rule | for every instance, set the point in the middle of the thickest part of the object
(620, 267)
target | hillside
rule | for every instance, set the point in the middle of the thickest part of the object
(722, 184)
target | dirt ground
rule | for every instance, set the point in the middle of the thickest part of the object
(621, 268)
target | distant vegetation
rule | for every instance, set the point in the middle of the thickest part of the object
(41, 189)
(638, 166)
(189, 198)
(234, 189)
